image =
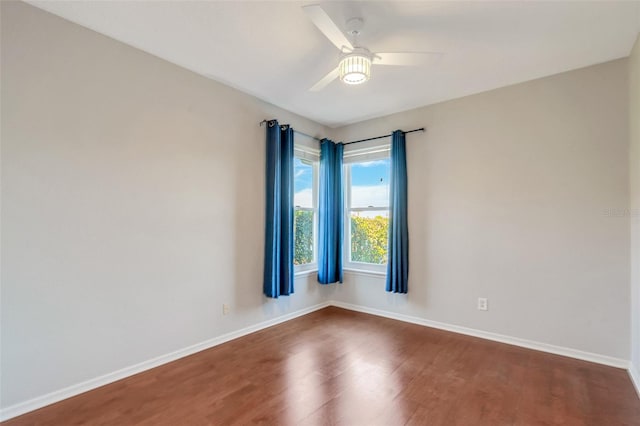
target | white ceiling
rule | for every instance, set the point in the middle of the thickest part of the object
(272, 50)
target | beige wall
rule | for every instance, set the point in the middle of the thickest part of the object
(634, 161)
(133, 193)
(508, 193)
(132, 206)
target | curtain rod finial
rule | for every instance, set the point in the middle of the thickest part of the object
(269, 122)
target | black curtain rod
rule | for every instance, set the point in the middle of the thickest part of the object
(421, 129)
(304, 134)
(294, 130)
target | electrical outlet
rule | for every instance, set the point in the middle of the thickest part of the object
(483, 304)
(225, 309)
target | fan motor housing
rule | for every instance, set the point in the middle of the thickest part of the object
(354, 26)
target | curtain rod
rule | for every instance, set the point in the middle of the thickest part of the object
(421, 129)
(294, 130)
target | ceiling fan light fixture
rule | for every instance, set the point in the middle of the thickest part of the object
(355, 68)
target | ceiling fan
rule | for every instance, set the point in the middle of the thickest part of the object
(355, 61)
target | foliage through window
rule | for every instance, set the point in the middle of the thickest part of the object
(367, 184)
(305, 184)
(303, 224)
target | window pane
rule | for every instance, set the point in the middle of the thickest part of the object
(369, 235)
(302, 183)
(303, 237)
(370, 183)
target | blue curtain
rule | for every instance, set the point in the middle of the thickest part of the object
(278, 247)
(330, 213)
(398, 253)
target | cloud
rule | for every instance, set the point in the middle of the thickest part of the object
(299, 173)
(361, 196)
(371, 195)
(372, 163)
(303, 198)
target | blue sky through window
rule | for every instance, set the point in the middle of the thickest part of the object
(369, 180)
(375, 172)
(302, 183)
(370, 183)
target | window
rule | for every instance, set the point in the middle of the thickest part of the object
(367, 173)
(305, 200)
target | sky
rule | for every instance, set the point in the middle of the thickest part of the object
(370, 182)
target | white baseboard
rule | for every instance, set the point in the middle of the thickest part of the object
(530, 344)
(635, 377)
(68, 392)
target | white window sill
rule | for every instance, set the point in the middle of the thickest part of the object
(365, 273)
(350, 271)
(298, 274)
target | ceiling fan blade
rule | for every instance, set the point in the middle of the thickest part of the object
(329, 28)
(324, 81)
(407, 58)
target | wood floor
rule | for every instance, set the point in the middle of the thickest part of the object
(336, 367)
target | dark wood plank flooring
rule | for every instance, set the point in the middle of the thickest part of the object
(337, 367)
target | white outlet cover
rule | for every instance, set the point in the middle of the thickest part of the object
(483, 304)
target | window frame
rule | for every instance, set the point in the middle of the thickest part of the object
(307, 152)
(366, 151)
